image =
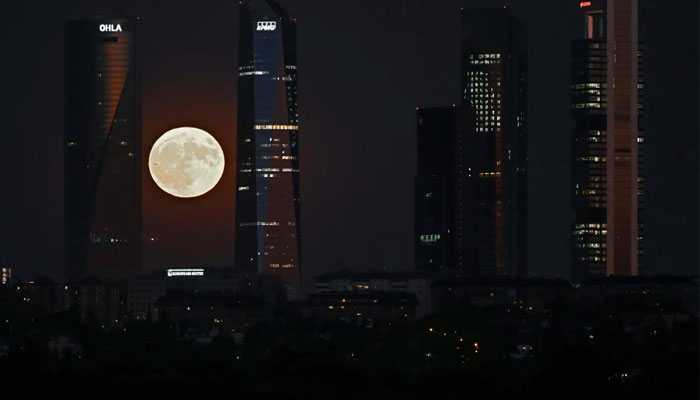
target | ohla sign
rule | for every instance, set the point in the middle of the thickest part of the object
(110, 28)
(267, 25)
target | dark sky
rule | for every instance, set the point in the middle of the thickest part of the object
(363, 68)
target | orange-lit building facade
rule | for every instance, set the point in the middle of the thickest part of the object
(103, 157)
(267, 176)
(494, 84)
(607, 142)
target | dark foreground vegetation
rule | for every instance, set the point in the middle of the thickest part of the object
(617, 348)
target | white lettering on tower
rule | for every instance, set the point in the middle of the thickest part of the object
(267, 25)
(110, 28)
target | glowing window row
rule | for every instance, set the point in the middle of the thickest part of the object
(259, 223)
(485, 56)
(277, 127)
(589, 85)
(579, 106)
(584, 232)
(581, 226)
(249, 73)
(282, 265)
(591, 245)
(270, 170)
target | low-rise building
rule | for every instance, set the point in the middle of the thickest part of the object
(143, 292)
(101, 301)
(686, 289)
(415, 283)
(195, 314)
(449, 292)
(200, 299)
(364, 307)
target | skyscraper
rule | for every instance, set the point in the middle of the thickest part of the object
(446, 188)
(267, 201)
(607, 157)
(494, 83)
(102, 149)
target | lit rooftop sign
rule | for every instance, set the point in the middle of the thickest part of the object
(267, 25)
(430, 238)
(185, 272)
(584, 4)
(110, 28)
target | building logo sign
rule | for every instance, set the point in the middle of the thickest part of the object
(110, 28)
(584, 4)
(267, 25)
(185, 272)
(430, 238)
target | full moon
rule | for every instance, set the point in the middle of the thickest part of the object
(186, 162)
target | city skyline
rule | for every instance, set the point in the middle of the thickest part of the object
(382, 255)
(400, 199)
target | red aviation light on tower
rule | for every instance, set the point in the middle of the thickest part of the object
(584, 4)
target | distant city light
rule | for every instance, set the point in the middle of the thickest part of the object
(5, 275)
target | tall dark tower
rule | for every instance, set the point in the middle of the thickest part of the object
(494, 83)
(103, 149)
(446, 188)
(607, 158)
(267, 201)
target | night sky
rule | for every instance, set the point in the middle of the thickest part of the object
(363, 68)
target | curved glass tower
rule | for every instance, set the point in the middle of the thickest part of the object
(102, 149)
(267, 178)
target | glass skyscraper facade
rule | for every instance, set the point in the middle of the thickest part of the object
(494, 84)
(267, 201)
(607, 142)
(103, 157)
